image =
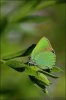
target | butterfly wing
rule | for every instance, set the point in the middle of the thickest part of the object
(45, 59)
(42, 45)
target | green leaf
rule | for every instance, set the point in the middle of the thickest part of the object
(45, 91)
(56, 69)
(17, 65)
(30, 70)
(48, 74)
(22, 53)
(34, 71)
(38, 82)
(2, 61)
(43, 78)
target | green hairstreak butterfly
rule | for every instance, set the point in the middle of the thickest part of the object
(43, 54)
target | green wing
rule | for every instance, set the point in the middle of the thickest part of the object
(42, 45)
(45, 59)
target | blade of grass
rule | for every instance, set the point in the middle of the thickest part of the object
(21, 12)
(35, 19)
(44, 4)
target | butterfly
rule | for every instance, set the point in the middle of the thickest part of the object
(43, 54)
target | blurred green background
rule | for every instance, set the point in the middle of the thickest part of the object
(22, 23)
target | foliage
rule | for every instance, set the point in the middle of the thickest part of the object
(37, 75)
(16, 18)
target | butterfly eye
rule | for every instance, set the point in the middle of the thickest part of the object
(53, 51)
